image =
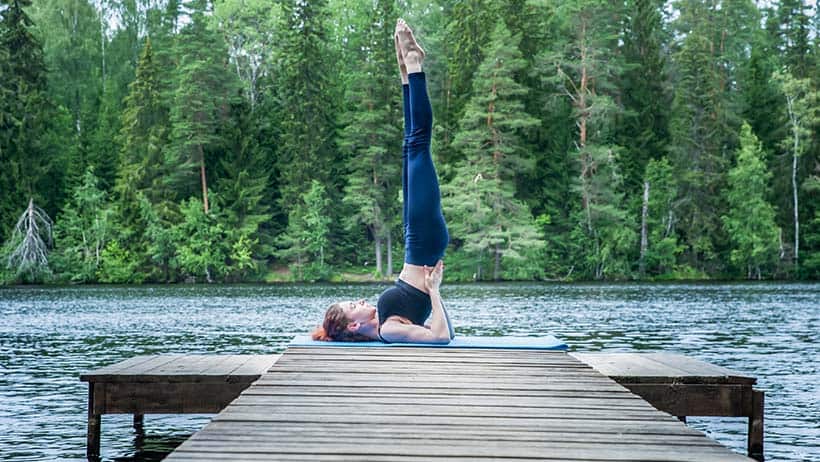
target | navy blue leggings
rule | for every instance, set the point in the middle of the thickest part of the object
(425, 232)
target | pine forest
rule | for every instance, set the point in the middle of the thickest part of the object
(154, 141)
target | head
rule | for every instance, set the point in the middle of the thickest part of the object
(349, 321)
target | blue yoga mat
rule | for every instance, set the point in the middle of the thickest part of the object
(547, 342)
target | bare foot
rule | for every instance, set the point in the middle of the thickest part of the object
(400, 59)
(411, 52)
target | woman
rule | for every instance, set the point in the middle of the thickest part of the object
(404, 308)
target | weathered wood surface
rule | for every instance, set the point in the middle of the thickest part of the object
(684, 386)
(661, 368)
(167, 384)
(406, 404)
(183, 368)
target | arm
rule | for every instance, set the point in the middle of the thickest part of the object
(439, 332)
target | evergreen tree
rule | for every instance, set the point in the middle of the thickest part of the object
(696, 151)
(199, 241)
(713, 39)
(661, 247)
(467, 34)
(547, 188)
(372, 136)
(307, 103)
(644, 130)
(306, 239)
(489, 220)
(811, 235)
(144, 172)
(795, 27)
(202, 96)
(82, 232)
(583, 68)
(30, 165)
(751, 220)
(243, 188)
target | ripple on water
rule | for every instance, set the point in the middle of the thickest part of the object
(49, 335)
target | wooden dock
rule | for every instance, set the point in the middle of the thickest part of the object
(684, 386)
(421, 404)
(167, 384)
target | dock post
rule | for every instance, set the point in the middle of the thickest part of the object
(755, 436)
(139, 420)
(94, 421)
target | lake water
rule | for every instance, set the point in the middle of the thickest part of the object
(48, 336)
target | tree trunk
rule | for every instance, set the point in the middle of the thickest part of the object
(203, 179)
(795, 152)
(378, 241)
(796, 215)
(389, 254)
(497, 266)
(644, 239)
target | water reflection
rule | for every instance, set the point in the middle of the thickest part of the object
(48, 336)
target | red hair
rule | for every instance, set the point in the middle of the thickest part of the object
(334, 327)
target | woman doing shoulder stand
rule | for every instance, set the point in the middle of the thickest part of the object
(403, 308)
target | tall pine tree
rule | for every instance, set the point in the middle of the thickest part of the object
(307, 103)
(372, 136)
(204, 89)
(750, 220)
(489, 221)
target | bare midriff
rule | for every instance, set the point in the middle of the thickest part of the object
(413, 275)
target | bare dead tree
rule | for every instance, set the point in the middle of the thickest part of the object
(31, 240)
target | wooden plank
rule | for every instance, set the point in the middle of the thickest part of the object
(225, 365)
(413, 382)
(513, 433)
(422, 400)
(567, 450)
(696, 367)
(255, 365)
(418, 404)
(460, 369)
(366, 390)
(660, 368)
(116, 367)
(400, 409)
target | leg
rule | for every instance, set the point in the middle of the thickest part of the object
(426, 234)
(405, 90)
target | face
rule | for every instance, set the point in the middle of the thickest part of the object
(362, 315)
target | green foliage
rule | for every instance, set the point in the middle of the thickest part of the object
(486, 218)
(549, 117)
(306, 239)
(203, 94)
(644, 130)
(306, 100)
(29, 162)
(371, 135)
(199, 240)
(118, 266)
(83, 231)
(663, 247)
(750, 220)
